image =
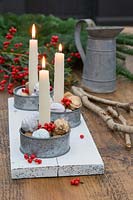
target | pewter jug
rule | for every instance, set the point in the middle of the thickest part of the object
(99, 62)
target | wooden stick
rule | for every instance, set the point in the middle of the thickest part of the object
(126, 106)
(102, 113)
(115, 114)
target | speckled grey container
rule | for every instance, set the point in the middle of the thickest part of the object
(30, 103)
(73, 117)
(45, 148)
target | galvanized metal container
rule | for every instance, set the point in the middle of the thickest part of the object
(45, 148)
(99, 70)
(73, 117)
(30, 103)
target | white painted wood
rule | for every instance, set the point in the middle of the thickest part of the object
(19, 166)
(82, 159)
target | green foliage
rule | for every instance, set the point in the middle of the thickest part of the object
(47, 26)
(125, 49)
(120, 70)
(120, 56)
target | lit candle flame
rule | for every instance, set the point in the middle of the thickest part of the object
(60, 48)
(43, 62)
(33, 31)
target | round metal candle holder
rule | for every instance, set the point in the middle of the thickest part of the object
(73, 117)
(30, 103)
(45, 148)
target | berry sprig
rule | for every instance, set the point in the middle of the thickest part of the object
(75, 181)
(25, 90)
(31, 158)
(50, 127)
(66, 102)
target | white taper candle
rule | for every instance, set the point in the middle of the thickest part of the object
(44, 95)
(59, 76)
(33, 61)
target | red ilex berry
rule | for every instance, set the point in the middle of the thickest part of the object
(39, 161)
(39, 67)
(33, 156)
(3, 81)
(77, 179)
(2, 60)
(76, 182)
(29, 160)
(2, 88)
(12, 30)
(25, 90)
(39, 126)
(72, 182)
(16, 60)
(9, 36)
(26, 156)
(36, 160)
(51, 88)
(69, 59)
(6, 76)
(81, 136)
(10, 91)
(49, 129)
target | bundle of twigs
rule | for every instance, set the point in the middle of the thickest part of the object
(110, 114)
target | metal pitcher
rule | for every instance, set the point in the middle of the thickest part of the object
(99, 62)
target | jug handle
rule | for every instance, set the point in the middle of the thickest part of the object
(89, 22)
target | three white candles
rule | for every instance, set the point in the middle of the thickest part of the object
(33, 61)
(59, 75)
(44, 95)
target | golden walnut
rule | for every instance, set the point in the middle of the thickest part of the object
(61, 127)
(75, 102)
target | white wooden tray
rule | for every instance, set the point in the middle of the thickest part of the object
(82, 159)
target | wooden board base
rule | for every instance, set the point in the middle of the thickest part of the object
(82, 159)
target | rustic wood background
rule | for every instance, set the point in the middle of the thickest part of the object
(115, 184)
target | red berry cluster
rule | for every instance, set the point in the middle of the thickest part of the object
(41, 55)
(25, 90)
(9, 36)
(10, 88)
(72, 56)
(48, 126)
(75, 181)
(2, 60)
(18, 45)
(6, 44)
(3, 84)
(15, 71)
(31, 158)
(12, 30)
(66, 102)
(54, 40)
(16, 59)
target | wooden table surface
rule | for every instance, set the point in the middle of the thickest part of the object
(115, 184)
